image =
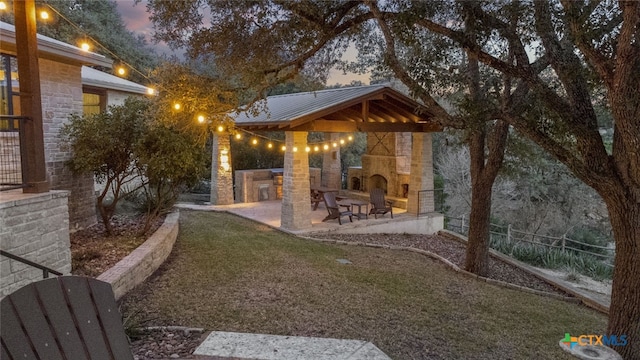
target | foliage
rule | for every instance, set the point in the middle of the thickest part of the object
(106, 144)
(99, 20)
(172, 161)
(545, 257)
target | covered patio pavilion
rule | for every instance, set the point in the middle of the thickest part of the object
(375, 109)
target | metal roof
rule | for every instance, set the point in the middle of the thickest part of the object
(52, 49)
(362, 108)
(100, 79)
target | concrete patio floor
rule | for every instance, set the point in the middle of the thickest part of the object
(269, 212)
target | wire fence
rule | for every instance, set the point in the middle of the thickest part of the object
(11, 152)
(518, 238)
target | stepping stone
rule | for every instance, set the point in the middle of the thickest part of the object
(276, 347)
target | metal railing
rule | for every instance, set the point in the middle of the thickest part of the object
(430, 201)
(45, 270)
(12, 152)
(518, 237)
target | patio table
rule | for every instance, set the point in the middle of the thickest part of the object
(353, 203)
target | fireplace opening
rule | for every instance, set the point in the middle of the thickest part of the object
(405, 190)
(355, 184)
(378, 181)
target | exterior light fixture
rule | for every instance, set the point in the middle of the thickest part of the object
(224, 160)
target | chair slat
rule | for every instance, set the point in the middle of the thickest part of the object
(83, 308)
(64, 328)
(12, 335)
(110, 318)
(67, 317)
(33, 320)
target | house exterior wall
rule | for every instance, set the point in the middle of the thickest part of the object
(61, 88)
(115, 97)
(35, 227)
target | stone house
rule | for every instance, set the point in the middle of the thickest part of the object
(36, 226)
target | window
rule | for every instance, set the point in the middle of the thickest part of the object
(92, 103)
(9, 93)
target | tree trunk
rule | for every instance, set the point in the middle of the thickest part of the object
(478, 245)
(624, 312)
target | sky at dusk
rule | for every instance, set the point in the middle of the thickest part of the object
(136, 19)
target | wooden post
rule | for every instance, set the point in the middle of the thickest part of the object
(30, 97)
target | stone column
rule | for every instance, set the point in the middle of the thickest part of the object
(421, 177)
(221, 171)
(296, 198)
(331, 169)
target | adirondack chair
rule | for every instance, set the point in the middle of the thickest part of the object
(316, 198)
(67, 317)
(334, 209)
(378, 203)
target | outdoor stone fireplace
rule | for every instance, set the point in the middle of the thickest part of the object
(386, 164)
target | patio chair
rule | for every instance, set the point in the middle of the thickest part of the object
(378, 203)
(67, 317)
(316, 198)
(334, 209)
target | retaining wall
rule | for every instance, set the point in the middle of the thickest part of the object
(143, 261)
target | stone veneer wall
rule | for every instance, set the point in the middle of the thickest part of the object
(249, 182)
(35, 227)
(61, 87)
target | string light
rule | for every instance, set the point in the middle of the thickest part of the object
(121, 71)
(151, 91)
(284, 148)
(85, 46)
(177, 106)
(201, 119)
(3, 5)
(44, 15)
(238, 136)
(270, 145)
(254, 141)
(220, 128)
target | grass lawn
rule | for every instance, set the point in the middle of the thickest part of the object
(231, 274)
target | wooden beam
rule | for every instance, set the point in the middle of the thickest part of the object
(343, 126)
(35, 174)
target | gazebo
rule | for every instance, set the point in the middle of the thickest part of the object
(395, 122)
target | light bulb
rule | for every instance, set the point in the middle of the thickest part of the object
(151, 91)
(201, 119)
(177, 106)
(85, 46)
(44, 15)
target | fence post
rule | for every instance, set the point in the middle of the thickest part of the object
(509, 234)
(564, 241)
(462, 225)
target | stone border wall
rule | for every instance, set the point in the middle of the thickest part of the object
(136, 267)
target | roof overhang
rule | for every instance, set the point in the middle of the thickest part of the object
(52, 49)
(375, 108)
